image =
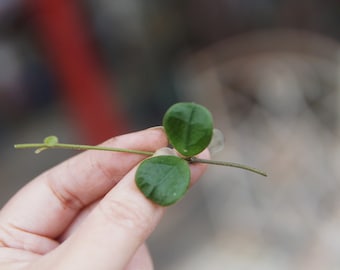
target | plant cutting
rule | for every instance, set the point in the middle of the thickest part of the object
(164, 179)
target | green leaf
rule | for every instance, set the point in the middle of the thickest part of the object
(163, 179)
(51, 140)
(189, 127)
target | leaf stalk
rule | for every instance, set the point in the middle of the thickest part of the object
(228, 164)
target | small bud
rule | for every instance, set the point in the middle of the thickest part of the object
(51, 141)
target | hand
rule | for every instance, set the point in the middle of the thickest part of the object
(85, 213)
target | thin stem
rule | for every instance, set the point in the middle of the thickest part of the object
(225, 163)
(44, 146)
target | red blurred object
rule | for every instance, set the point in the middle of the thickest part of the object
(63, 33)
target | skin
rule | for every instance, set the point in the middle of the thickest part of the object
(85, 213)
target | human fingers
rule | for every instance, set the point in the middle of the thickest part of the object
(113, 232)
(47, 205)
(141, 260)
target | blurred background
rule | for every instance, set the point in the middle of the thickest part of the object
(268, 70)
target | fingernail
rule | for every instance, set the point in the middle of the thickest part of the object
(156, 128)
(165, 151)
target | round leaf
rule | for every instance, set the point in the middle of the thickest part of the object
(163, 179)
(189, 127)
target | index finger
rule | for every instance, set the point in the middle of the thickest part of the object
(48, 204)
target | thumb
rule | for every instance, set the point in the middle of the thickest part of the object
(113, 232)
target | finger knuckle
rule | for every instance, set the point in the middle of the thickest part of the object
(66, 198)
